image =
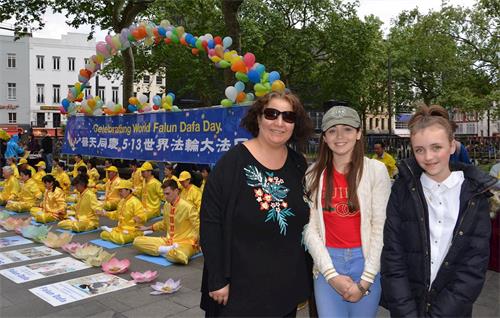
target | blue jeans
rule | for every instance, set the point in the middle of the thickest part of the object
(47, 157)
(349, 262)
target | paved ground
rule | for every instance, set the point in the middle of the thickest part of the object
(17, 301)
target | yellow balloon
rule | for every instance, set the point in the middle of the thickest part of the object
(260, 93)
(215, 59)
(278, 86)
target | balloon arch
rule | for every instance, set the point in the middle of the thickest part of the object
(247, 71)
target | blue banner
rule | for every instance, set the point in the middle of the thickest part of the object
(193, 136)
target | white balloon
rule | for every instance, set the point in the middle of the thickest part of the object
(231, 93)
(143, 99)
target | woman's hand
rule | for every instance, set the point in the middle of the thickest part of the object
(220, 296)
(353, 295)
(341, 284)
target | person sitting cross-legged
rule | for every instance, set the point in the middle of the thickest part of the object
(29, 196)
(39, 175)
(182, 225)
(53, 206)
(10, 186)
(85, 218)
(129, 214)
(189, 191)
(151, 193)
(112, 195)
(58, 171)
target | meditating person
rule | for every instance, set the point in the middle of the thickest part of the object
(86, 207)
(130, 215)
(23, 164)
(181, 223)
(39, 175)
(10, 186)
(61, 176)
(151, 193)
(112, 195)
(92, 171)
(53, 206)
(78, 163)
(168, 172)
(29, 196)
(136, 176)
(189, 192)
(11, 162)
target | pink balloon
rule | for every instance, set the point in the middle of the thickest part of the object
(249, 59)
(211, 52)
(101, 48)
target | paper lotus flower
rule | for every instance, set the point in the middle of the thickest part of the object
(144, 277)
(168, 287)
(73, 247)
(55, 241)
(116, 266)
(36, 233)
(87, 252)
(14, 223)
(99, 259)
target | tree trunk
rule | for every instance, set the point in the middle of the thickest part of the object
(128, 75)
(230, 11)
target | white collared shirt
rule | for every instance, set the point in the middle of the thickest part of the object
(443, 201)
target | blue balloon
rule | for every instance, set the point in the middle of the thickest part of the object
(188, 37)
(260, 68)
(240, 86)
(157, 100)
(274, 76)
(254, 76)
(65, 104)
(211, 44)
(132, 108)
(173, 95)
(162, 31)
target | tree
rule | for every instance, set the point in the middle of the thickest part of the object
(108, 15)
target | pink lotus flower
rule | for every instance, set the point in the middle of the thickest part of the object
(115, 266)
(144, 277)
(72, 247)
(15, 223)
(168, 287)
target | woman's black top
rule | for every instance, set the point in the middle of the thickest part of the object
(269, 270)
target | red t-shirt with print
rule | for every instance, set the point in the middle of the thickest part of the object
(342, 228)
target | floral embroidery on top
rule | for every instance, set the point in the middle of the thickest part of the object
(270, 193)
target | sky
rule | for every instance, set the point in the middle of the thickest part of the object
(384, 9)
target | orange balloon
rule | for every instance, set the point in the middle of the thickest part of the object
(195, 51)
(91, 103)
(133, 100)
(239, 66)
(241, 97)
(183, 41)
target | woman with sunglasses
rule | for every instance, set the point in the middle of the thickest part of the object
(252, 216)
(349, 194)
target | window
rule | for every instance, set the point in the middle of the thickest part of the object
(56, 120)
(56, 99)
(86, 61)
(382, 122)
(145, 79)
(159, 80)
(11, 60)
(39, 62)
(87, 91)
(115, 95)
(71, 64)
(40, 119)
(100, 93)
(12, 118)
(370, 125)
(56, 61)
(40, 88)
(11, 91)
(376, 122)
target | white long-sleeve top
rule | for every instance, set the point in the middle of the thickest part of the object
(373, 193)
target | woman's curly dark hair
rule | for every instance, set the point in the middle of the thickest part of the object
(303, 123)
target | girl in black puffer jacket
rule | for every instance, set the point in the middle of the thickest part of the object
(436, 235)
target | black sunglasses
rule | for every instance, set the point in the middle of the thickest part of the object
(272, 114)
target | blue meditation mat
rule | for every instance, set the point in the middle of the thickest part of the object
(155, 219)
(160, 260)
(77, 233)
(107, 244)
(38, 224)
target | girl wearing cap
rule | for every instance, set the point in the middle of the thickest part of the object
(85, 218)
(130, 215)
(53, 206)
(150, 193)
(39, 175)
(189, 192)
(252, 216)
(29, 196)
(349, 194)
(437, 232)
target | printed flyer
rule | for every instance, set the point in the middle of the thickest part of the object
(76, 289)
(26, 254)
(26, 273)
(13, 241)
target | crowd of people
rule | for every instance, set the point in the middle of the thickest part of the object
(346, 233)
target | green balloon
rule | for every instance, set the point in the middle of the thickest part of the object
(265, 77)
(199, 45)
(131, 38)
(174, 38)
(242, 77)
(267, 86)
(226, 102)
(259, 87)
(224, 64)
